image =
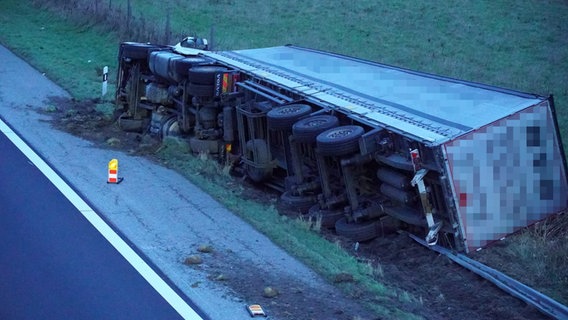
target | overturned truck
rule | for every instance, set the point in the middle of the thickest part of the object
(352, 142)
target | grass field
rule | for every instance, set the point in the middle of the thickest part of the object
(518, 45)
(515, 44)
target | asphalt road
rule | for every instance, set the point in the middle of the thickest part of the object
(55, 264)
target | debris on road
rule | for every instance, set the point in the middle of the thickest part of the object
(256, 310)
(205, 248)
(193, 260)
(270, 292)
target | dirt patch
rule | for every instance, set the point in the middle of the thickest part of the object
(285, 297)
(436, 287)
(440, 284)
(82, 119)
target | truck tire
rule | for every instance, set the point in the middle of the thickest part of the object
(205, 74)
(359, 232)
(138, 50)
(328, 217)
(282, 118)
(339, 141)
(182, 66)
(257, 151)
(170, 128)
(200, 90)
(300, 203)
(306, 130)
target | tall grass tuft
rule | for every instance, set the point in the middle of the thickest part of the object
(543, 250)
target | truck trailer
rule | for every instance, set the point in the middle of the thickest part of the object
(351, 142)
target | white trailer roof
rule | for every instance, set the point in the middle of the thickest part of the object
(431, 108)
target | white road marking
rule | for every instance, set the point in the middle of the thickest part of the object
(118, 243)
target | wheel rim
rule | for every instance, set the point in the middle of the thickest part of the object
(283, 117)
(288, 110)
(315, 123)
(340, 133)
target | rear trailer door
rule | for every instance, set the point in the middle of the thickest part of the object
(507, 175)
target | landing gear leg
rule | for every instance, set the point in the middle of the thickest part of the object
(433, 227)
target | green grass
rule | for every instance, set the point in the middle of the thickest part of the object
(515, 44)
(541, 252)
(71, 55)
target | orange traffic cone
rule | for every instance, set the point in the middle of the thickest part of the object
(113, 172)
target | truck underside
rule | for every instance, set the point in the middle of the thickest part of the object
(315, 126)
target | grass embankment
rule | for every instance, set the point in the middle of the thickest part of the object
(71, 55)
(540, 253)
(502, 43)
